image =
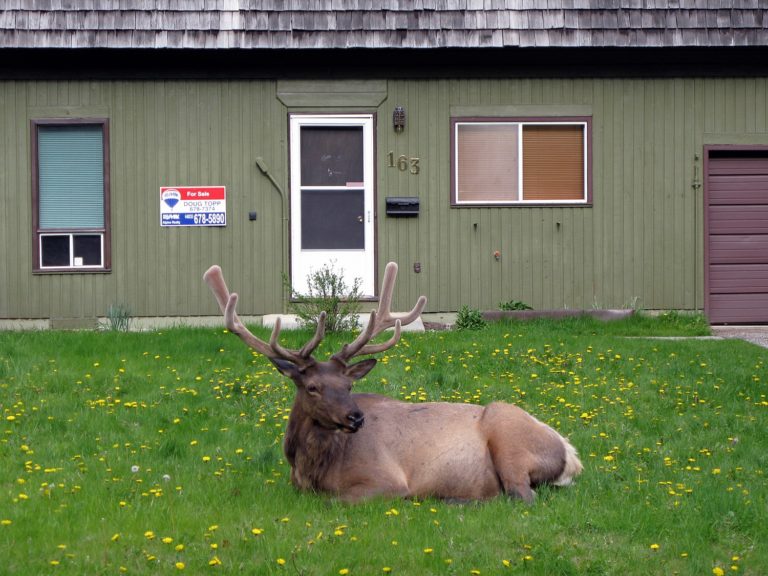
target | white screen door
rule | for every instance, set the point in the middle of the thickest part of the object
(332, 198)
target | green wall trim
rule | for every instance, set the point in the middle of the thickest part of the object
(37, 112)
(521, 111)
(754, 139)
(323, 93)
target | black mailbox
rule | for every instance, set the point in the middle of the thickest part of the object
(402, 206)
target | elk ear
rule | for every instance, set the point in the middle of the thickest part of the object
(286, 368)
(360, 369)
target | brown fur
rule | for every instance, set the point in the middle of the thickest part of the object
(438, 449)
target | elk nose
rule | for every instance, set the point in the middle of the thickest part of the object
(356, 420)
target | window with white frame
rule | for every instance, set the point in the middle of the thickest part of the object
(70, 161)
(513, 161)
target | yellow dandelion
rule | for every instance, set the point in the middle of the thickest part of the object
(6, 522)
(717, 571)
(344, 571)
(179, 547)
(115, 537)
(428, 550)
(386, 569)
(149, 535)
(281, 561)
(180, 565)
(654, 547)
(214, 561)
(257, 531)
(167, 540)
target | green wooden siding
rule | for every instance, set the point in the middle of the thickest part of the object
(642, 239)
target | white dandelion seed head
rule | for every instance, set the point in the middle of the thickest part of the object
(134, 468)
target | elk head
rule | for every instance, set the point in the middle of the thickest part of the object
(323, 388)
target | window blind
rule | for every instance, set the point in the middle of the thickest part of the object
(71, 176)
(487, 162)
(553, 162)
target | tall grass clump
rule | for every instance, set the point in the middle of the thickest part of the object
(119, 318)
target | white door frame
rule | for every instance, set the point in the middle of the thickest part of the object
(356, 263)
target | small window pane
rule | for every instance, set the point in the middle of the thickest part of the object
(55, 250)
(331, 155)
(487, 161)
(553, 162)
(87, 247)
(332, 220)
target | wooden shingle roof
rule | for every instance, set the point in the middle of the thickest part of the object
(298, 24)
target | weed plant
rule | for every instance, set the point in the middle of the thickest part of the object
(469, 319)
(327, 291)
(119, 318)
(160, 453)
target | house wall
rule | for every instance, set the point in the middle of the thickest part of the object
(640, 241)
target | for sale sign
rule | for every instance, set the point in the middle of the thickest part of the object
(193, 206)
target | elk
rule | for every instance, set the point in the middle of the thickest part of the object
(359, 446)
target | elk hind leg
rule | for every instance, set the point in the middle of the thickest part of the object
(512, 471)
(513, 462)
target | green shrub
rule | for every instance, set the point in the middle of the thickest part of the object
(469, 319)
(327, 292)
(514, 305)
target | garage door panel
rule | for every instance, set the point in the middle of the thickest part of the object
(738, 220)
(738, 190)
(735, 308)
(735, 279)
(737, 166)
(734, 249)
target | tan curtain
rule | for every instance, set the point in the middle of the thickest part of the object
(487, 163)
(553, 162)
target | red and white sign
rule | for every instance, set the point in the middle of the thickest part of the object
(193, 206)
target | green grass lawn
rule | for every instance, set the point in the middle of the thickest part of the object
(160, 453)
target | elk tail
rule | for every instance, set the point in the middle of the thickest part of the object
(572, 468)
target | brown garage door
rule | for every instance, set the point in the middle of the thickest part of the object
(737, 236)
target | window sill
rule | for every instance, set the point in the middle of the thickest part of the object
(47, 271)
(525, 205)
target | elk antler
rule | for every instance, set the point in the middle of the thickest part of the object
(380, 320)
(228, 303)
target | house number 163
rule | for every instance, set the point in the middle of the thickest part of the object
(404, 163)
